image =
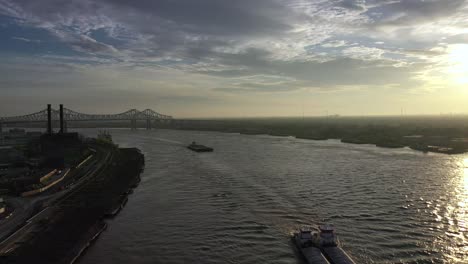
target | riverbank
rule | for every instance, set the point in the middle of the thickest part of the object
(426, 134)
(79, 218)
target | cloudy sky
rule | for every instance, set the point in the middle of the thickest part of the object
(212, 58)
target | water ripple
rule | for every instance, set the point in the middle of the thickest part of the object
(241, 203)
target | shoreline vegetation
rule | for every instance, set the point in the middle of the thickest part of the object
(439, 134)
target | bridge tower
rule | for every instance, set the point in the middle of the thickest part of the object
(49, 119)
(133, 124)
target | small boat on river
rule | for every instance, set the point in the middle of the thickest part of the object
(199, 148)
(321, 246)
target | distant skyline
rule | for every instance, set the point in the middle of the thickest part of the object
(243, 58)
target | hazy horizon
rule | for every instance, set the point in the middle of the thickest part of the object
(214, 59)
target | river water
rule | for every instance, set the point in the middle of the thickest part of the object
(241, 203)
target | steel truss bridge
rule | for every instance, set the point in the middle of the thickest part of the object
(132, 115)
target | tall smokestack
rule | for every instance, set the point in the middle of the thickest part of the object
(62, 130)
(49, 119)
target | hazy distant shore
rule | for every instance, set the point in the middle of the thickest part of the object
(441, 134)
(427, 134)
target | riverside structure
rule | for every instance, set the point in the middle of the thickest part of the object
(67, 219)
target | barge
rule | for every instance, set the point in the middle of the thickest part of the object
(199, 148)
(321, 246)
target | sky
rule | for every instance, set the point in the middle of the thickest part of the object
(242, 58)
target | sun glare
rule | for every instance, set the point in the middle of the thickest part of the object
(458, 63)
(465, 175)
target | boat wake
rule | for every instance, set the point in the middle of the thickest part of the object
(169, 141)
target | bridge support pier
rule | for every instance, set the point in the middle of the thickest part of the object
(1, 127)
(148, 124)
(133, 124)
(62, 127)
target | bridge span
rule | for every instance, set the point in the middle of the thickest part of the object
(133, 115)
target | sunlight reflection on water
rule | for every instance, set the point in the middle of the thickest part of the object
(455, 244)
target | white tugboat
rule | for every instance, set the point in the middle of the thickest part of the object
(321, 246)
